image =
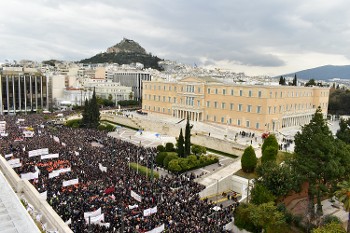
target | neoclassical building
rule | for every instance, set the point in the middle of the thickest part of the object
(256, 107)
(23, 90)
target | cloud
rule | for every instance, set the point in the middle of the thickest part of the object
(251, 35)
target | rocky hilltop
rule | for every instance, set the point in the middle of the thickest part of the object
(127, 46)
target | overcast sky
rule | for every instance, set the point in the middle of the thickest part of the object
(258, 37)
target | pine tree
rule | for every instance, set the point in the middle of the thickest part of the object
(188, 138)
(295, 80)
(180, 145)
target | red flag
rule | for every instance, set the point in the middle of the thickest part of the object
(110, 190)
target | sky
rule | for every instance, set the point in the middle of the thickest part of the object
(257, 37)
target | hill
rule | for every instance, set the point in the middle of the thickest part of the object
(126, 52)
(323, 73)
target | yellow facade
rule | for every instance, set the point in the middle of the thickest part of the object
(256, 107)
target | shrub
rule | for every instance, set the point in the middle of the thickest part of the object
(169, 147)
(160, 158)
(260, 194)
(249, 160)
(269, 154)
(168, 158)
(160, 148)
(183, 162)
(174, 166)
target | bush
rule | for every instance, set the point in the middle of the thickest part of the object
(168, 158)
(260, 194)
(161, 148)
(243, 220)
(269, 154)
(106, 127)
(249, 160)
(174, 166)
(75, 123)
(160, 158)
(169, 147)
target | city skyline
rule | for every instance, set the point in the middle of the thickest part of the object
(257, 38)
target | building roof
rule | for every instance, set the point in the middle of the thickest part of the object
(13, 217)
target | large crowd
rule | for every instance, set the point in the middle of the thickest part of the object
(178, 204)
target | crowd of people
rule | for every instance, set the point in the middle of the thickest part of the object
(178, 204)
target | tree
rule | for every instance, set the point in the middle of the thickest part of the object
(282, 81)
(169, 147)
(174, 166)
(168, 158)
(269, 141)
(249, 160)
(279, 179)
(343, 195)
(311, 82)
(332, 227)
(260, 194)
(198, 150)
(180, 145)
(95, 111)
(344, 131)
(188, 137)
(269, 154)
(317, 157)
(295, 80)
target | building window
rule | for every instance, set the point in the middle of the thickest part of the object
(215, 104)
(199, 90)
(223, 105)
(174, 88)
(158, 97)
(207, 117)
(163, 98)
(168, 110)
(222, 119)
(247, 124)
(259, 94)
(208, 104)
(190, 88)
(216, 91)
(164, 88)
(250, 93)
(215, 118)
(189, 101)
(224, 91)
(154, 97)
(169, 99)
(238, 122)
(257, 125)
(269, 109)
(258, 109)
(232, 92)
(240, 92)
(198, 103)
(249, 108)
(174, 100)
(240, 106)
(231, 106)
(230, 121)
(159, 90)
(208, 91)
(163, 110)
(169, 88)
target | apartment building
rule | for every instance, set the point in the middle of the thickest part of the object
(257, 107)
(23, 90)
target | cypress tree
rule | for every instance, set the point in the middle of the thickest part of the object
(249, 160)
(295, 80)
(180, 145)
(85, 121)
(188, 138)
(95, 111)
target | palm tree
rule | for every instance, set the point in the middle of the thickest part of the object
(343, 195)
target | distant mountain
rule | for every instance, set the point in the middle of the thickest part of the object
(323, 73)
(126, 52)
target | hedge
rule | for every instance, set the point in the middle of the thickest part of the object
(144, 170)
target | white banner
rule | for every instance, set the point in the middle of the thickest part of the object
(50, 156)
(55, 173)
(56, 139)
(148, 212)
(93, 213)
(70, 182)
(9, 155)
(102, 168)
(28, 134)
(43, 195)
(136, 196)
(16, 165)
(43, 151)
(30, 175)
(69, 221)
(76, 153)
(105, 224)
(95, 219)
(133, 206)
(157, 229)
(4, 134)
(63, 144)
(13, 161)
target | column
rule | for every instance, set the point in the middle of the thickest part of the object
(41, 92)
(36, 92)
(7, 93)
(13, 94)
(25, 93)
(19, 93)
(1, 103)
